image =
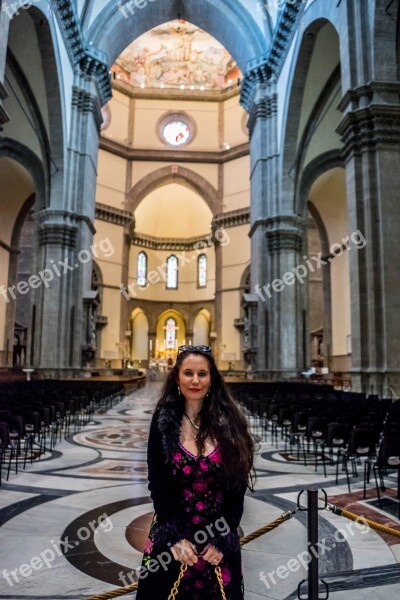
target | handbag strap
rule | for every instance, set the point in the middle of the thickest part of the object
(174, 591)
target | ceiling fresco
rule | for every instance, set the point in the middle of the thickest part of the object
(177, 55)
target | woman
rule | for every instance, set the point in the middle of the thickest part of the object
(200, 460)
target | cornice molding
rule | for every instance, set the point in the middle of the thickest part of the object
(50, 216)
(187, 95)
(370, 127)
(233, 218)
(88, 60)
(375, 92)
(167, 155)
(116, 216)
(262, 68)
(171, 244)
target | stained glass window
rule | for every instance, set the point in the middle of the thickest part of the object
(172, 272)
(142, 269)
(170, 333)
(176, 133)
(202, 270)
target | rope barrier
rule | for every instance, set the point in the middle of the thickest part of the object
(353, 517)
(121, 591)
(273, 525)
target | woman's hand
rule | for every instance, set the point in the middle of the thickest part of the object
(185, 552)
(212, 555)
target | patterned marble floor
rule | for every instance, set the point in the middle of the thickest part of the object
(73, 523)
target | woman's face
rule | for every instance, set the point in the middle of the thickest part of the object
(194, 377)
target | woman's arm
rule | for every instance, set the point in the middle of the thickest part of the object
(170, 526)
(233, 511)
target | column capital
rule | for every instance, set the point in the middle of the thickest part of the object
(60, 227)
(371, 117)
(285, 232)
(87, 102)
(264, 106)
(57, 234)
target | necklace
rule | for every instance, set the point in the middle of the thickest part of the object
(192, 422)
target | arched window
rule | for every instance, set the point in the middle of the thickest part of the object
(170, 334)
(202, 270)
(172, 272)
(142, 269)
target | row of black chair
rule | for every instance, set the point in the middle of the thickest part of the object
(331, 428)
(35, 415)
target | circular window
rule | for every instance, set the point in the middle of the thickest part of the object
(176, 129)
(176, 133)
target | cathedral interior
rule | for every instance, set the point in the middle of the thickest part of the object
(195, 172)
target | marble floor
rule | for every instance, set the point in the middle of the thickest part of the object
(73, 523)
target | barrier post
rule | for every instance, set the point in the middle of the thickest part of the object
(312, 518)
(312, 509)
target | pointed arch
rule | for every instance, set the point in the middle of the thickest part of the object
(186, 177)
(230, 22)
(295, 140)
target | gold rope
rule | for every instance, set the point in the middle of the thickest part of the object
(353, 517)
(259, 532)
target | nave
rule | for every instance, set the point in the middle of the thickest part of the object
(84, 509)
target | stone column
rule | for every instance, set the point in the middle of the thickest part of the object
(5, 15)
(65, 234)
(370, 132)
(277, 245)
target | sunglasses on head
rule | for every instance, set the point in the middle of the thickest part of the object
(190, 348)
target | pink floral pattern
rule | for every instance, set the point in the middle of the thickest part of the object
(202, 498)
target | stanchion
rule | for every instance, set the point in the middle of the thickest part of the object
(312, 544)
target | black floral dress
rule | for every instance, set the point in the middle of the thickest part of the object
(202, 497)
(190, 502)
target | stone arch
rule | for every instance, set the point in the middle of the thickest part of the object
(181, 320)
(201, 327)
(10, 309)
(30, 161)
(183, 176)
(51, 136)
(293, 151)
(139, 328)
(230, 22)
(320, 165)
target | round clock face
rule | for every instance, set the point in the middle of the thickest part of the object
(176, 133)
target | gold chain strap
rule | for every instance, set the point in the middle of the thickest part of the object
(218, 573)
(174, 591)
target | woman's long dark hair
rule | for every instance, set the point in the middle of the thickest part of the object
(221, 419)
